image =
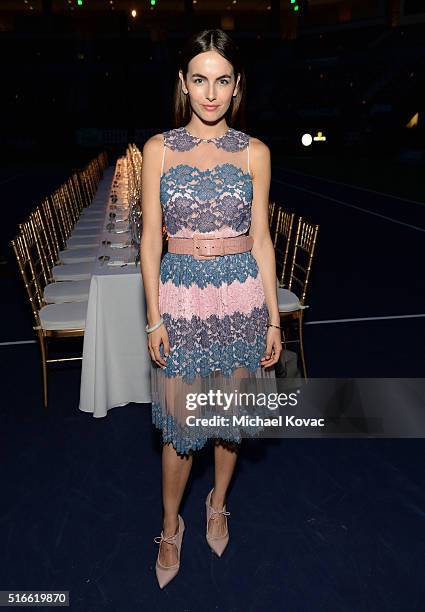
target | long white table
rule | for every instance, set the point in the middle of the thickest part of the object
(116, 361)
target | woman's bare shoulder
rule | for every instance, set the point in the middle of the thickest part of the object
(258, 147)
(153, 144)
(260, 157)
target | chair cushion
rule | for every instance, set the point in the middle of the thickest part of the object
(73, 272)
(78, 255)
(288, 301)
(79, 242)
(86, 233)
(91, 217)
(67, 291)
(89, 213)
(63, 316)
(89, 224)
(100, 199)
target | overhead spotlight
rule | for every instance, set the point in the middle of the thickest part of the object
(307, 139)
(134, 13)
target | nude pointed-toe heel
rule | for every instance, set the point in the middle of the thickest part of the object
(165, 574)
(217, 543)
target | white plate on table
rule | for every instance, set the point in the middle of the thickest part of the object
(120, 245)
(120, 263)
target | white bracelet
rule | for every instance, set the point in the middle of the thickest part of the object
(154, 327)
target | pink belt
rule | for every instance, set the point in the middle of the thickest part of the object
(207, 248)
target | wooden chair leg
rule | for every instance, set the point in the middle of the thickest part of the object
(43, 350)
(300, 334)
(282, 334)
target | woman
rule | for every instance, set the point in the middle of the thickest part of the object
(212, 319)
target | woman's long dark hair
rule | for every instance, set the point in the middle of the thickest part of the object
(211, 40)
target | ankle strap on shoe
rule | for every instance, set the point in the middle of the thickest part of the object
(168, 539)
(219, 512)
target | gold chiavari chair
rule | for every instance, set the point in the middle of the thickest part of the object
(62, 223)
(100, 164)
(103, 160)
(47, 235)
(94, 171)
(69, 203)
(89, 182)
(74, 188)
(74, 194)
(70, 197)
(87, 187)
(273, 211)
(51, 320)
(85, 181)
(68, 206)
(70, 290)
(66, 217)
(80, 187)
(38, 247)
(75, 233)
(282, 240)
(53, 224)
(48, 226)
(292, 300)
(70, 200)
(84, 188)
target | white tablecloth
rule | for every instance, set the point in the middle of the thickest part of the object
(116, 360)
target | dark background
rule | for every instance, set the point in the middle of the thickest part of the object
(76, 79)
(92, 75)
(320, 526)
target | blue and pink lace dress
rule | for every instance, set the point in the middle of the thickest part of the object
(214, 310)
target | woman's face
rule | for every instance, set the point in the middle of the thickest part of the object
(210, 84)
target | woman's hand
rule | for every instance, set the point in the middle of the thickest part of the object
(273, 347)
(155, 339)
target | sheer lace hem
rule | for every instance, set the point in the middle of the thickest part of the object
(190, 414)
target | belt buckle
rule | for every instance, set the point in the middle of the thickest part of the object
(198, 247)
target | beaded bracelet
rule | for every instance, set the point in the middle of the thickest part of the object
(154, 327)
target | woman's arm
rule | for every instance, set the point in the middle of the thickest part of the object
(151, 238)
(263, 249)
